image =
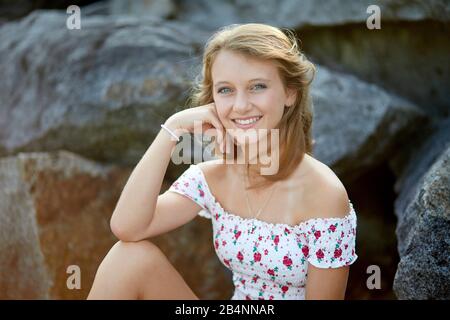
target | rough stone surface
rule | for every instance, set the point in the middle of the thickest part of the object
(296, 14)
(357, 125)
(55, 210)
(423, 212)
(101, 91)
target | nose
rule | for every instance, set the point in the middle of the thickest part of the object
(242, 104)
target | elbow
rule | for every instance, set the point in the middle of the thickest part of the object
(120, 232)
(116, 229)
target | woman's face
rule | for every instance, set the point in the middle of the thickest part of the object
(245, 87)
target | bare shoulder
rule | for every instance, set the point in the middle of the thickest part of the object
(211, 169)
(326, 196)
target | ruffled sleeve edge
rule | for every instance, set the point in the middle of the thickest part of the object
(349, 255)
(334, 264)
(204, 212)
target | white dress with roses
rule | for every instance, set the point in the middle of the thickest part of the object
(270, 261)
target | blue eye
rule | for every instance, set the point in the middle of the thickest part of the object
(220, 90)
(263, 86)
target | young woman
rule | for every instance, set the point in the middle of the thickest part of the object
(286, 235)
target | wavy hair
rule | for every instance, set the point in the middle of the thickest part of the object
(279, 46)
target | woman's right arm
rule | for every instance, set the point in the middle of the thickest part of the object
(140, 211)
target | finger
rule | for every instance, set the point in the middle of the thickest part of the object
(228, 144)
(218, 126)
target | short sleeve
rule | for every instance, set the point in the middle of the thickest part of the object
(192, 184)
(332, 241)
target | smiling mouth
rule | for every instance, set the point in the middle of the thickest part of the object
(246, 123)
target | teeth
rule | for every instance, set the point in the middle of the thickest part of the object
(248, 121)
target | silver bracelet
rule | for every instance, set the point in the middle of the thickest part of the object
(170, 131)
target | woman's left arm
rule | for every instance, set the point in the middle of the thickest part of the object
(326, 284)
(331, 246)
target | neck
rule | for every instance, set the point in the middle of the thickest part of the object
(248, 173)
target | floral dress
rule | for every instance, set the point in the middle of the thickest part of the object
(270, 261)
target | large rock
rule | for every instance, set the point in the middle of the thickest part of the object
(306, 13)
(101, 91)
(423, 228)
(357, 125)
(55, 210)
(400, 57)
(142, 9)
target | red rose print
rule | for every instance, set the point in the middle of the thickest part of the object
(247, 297)
(216, 243)
(224, 243)
(222, 227)
(227, 262)
(319, 254)
(305, 250)
(237, 235)
(257, 256)
(332, 227)
(317, 234)
(276, 240)
(186, 184)
(240, 256)
(284, 289)
(266, 252)
(337, 252)
(271, 272)
(259, 238)
(217, 216)
(264, 286)
(287, 261)
(286, 231)
(202, 194)
(270, 297)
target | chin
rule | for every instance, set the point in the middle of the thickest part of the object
(257, 135)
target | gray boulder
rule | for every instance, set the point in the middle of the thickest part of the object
(358, 125)
(306, 13)
(101, 91)
(423, 212)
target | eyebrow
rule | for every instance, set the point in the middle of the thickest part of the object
(256, 79)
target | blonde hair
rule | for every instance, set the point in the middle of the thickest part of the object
(296, 72)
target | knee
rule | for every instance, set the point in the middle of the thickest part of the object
(142, 253)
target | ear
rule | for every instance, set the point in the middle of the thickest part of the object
(291, 96)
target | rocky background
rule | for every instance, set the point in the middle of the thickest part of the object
(78, 108)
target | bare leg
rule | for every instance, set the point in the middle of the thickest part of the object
(138, 270)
